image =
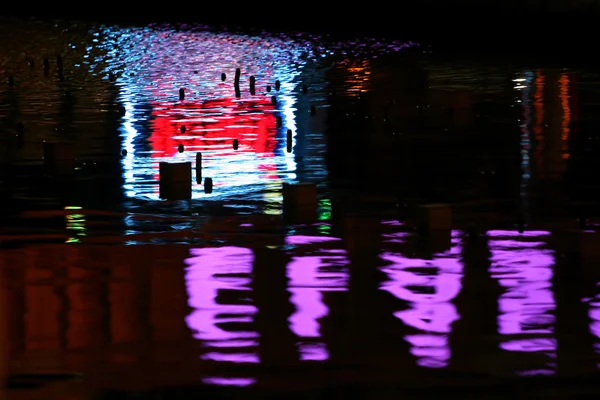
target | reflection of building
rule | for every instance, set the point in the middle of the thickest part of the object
(83, 306)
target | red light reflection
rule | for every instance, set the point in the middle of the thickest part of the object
(211, 126)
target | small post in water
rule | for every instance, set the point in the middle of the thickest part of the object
(208, 185)
(252, 85)
(198, 168)
(289, 140)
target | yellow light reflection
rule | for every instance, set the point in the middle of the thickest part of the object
(273, 197)
(564, 101)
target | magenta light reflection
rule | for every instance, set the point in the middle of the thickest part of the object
(224, 381)
(432, 313)
(594, 314)
(210, 273)
(309, 276)
(523, 267)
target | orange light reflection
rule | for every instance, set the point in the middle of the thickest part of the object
(538, 128)
(564, 100)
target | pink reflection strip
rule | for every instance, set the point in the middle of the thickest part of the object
(297, 240)
(524, 268)
(594, 314)
(429, 286)
(210, 272)
(498, 233)
(223, 381)
(309, 276)
(309, 309)
(232, 357)
(530, 345)
(391, 222)
(313, 351)
(312, 271)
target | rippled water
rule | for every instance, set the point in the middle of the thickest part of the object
(151, 66)
(312, 312)
(237, 295)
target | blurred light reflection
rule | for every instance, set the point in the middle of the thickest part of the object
(429, 286)
(211, 114)
(211, 275)
(309, 277)
(523, 267)
(223, 381)
(594, 313)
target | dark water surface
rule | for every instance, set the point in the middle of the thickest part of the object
(235, 294)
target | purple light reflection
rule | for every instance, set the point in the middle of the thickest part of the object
(432, 312)
(392, 222)
(310, 276)
(500, 233)
(594, 314)
(211, 271)
(223, 381)
(524, 269)
(297, 240)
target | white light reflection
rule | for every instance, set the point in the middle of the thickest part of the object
(310, 276)
(525, 133)
(210, 112)
(523, 267)
(429, 286)
(216, 272)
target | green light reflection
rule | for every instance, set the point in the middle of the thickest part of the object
(76, 223)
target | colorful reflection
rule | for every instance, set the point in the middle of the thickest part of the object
(429, 286)
(75, 223)
(211, 128)
(212, 113)
(310, 275)
(522, 264)
(357, 77)
(213, 275)
(213, 125)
